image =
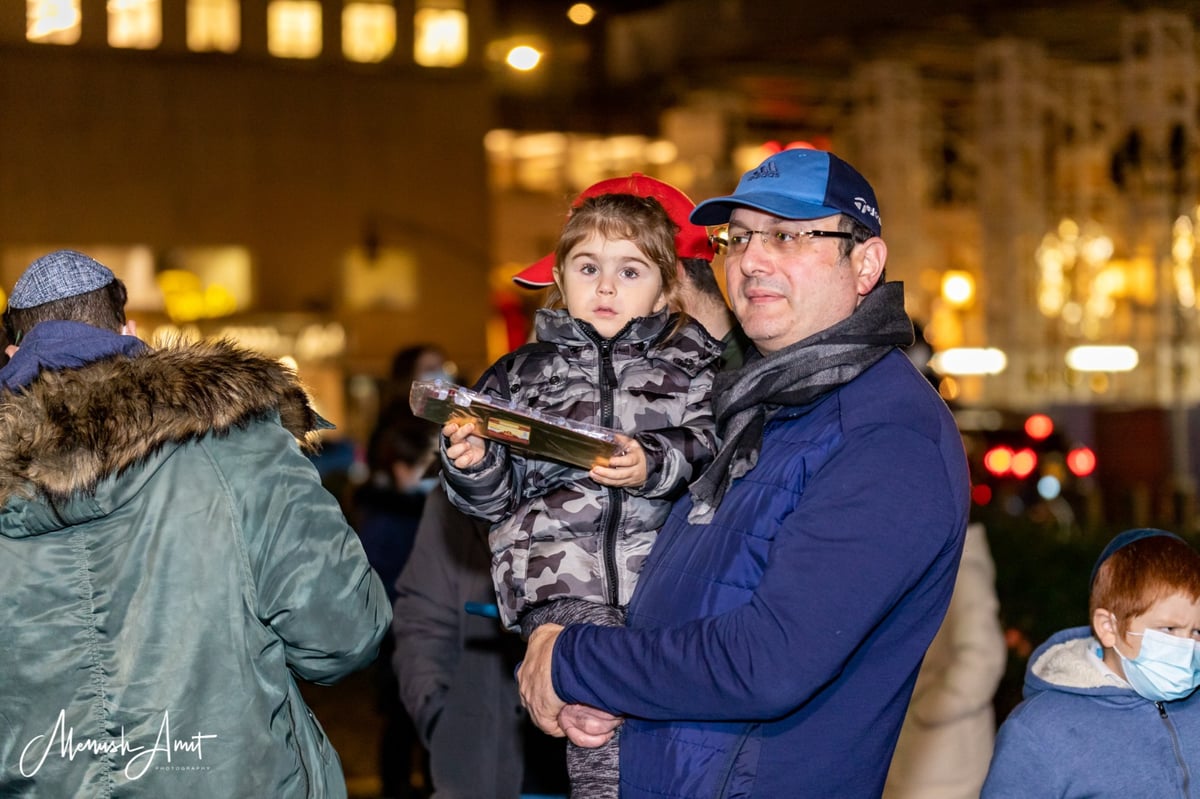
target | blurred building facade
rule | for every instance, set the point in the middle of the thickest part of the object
(1048, 152)
(308, 177)
(1046, 157)
(335, 179)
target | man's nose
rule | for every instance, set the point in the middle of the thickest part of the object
(606, 285)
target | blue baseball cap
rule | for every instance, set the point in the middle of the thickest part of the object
(61, 274)
(798, 184)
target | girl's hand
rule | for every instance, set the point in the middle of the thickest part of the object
(627, 469)
(586, 726)
(464, 450)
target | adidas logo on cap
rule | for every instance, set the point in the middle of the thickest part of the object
(767, 170)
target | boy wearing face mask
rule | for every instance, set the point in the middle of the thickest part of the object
(1113, 711)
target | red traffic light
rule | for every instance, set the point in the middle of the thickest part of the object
(1081, 461)
(1039, 427)
(998, 460)
(1024, 461)
(1003, 461)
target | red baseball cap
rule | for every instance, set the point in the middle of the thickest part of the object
(690, 242)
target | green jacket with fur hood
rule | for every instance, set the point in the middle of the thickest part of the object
(170, 565)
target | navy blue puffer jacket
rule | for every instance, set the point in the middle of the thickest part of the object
(772, 652)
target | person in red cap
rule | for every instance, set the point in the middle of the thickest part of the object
(699, 295)
(612, 350)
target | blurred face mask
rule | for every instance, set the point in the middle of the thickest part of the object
(1166, 668)
(435, 374)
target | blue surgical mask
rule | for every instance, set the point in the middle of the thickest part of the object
(1166, 668)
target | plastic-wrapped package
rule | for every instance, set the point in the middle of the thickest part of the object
(527, 429)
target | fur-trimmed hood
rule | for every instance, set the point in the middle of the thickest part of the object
(70, 429)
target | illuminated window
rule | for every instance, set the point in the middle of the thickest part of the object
(440, 33)
(368, 31)
(52, 21)
(384, 278)
(134, 23)
(294, 28)
(213, 25)
(205, 282)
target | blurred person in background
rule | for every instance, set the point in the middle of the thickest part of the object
(416, 362)
(945, 744)
(387, 510)
(388, 506)
(454, 667)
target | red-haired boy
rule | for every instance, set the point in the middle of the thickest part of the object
(1113, 711)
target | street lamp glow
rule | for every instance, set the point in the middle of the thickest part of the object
(581, 13)
(1093, 358)
(969, 361)
(1097, 249)
(958, 288)
(523, 58)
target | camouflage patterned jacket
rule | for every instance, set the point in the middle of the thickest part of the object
(556, 532)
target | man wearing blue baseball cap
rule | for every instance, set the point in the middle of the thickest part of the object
(776, 632)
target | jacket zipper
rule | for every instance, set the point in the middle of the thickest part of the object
(1187, 777)
(612, 517)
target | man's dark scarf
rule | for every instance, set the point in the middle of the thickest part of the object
(745, 400)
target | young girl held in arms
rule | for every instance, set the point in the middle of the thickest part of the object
(612, 350)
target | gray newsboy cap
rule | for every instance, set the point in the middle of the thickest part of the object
(61, 274)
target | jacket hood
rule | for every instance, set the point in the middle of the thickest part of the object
(70, 429)
(1067, 662)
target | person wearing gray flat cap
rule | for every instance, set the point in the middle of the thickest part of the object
(171, 564)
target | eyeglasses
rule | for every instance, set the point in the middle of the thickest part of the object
(778, 241)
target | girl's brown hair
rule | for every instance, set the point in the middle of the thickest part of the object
(628, 217)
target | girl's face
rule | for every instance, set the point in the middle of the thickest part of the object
(607, 282)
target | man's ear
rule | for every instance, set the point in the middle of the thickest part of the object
(1104, 625)
(870, 257)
